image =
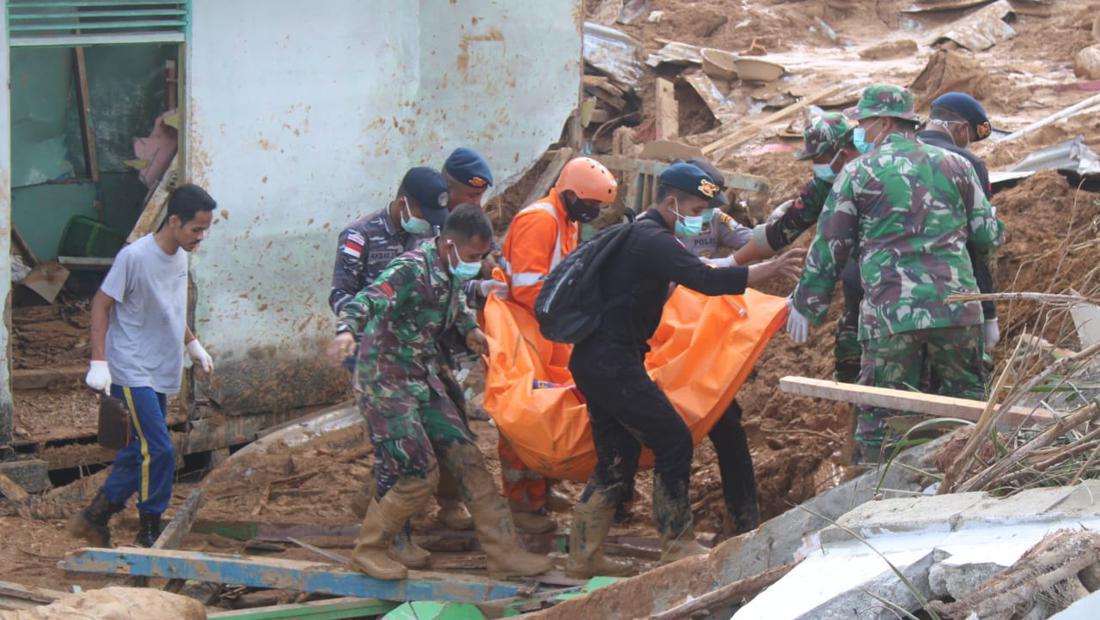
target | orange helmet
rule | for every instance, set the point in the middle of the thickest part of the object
(588, 179)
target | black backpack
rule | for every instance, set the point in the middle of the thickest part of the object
(571, 303)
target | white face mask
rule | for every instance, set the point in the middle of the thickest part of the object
(413, 225)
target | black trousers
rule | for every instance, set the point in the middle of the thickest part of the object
(627, 411)
(735, 466)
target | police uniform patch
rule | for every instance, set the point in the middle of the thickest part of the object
(443, 199)
(707, 188)
(353, 244)
(477, 182)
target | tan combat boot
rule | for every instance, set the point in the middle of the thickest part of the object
(556, 501)
(591, 522)
(384, 519)
(680, 547)
(492, 520)
(405, 550)
(529, 521)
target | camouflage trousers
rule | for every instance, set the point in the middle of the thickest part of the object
(410, 422)
(954, 354)
(848, 350)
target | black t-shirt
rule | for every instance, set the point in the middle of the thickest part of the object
(642, 269)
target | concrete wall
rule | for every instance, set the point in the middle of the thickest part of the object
(303, 116)
(6, 420)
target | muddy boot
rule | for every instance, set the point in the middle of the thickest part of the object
(148, 529)
(384, 519)
(452, 512)
(556, 501)
(492, 520)
(531, 522)
(404, 550)
(591, 522)
(359, 504)
(91, 522)
(680, 547)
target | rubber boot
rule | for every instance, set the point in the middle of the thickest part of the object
(492, 520)
(148, 529)
(529, 521)
(556, 501)
(91, 522)
(591, 522)
(452, 512)
(679, 547)
(359, 504)
(404, 550)
(384, 519)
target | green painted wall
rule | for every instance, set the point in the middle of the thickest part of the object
(126, 88)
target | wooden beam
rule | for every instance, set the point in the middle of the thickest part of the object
(149, 220)
(331, 609)
(87, 263)
(282, 574)
(928, 404)
(731, 592)
(180, 525)
(14, 596)
(549, 175)
(43, 378)
(746, 133)
(668, 110)
(23, 247)
(84, 107)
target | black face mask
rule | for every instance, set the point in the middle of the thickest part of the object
(580, 212)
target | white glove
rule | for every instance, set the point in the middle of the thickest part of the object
(728, 261)
(492, 287)
(99, 377)
(798, 327)
(200, 357)
(991, 333)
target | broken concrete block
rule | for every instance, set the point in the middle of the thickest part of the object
(1030, 505)
(858, 602)
(957, 580)
(31, 474)
(935, 513)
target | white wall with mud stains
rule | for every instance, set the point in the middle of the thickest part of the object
(304, 116)
(6, 405)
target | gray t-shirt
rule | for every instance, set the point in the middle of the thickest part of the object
(145, 333)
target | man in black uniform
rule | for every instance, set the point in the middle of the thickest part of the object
(626, 408)
(956, 120)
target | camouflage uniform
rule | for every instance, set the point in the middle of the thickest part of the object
(907, 210)
(401, 317)
(825, 134)
(366, 246)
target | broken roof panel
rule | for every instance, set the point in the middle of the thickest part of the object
(613, 52)
(924, 6)
(980, 30)
(1072, 156)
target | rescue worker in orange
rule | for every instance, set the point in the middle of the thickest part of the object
(539, 236)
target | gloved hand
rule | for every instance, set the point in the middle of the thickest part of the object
(492, 287)
(99, 376)
(200, 357)
(798, 327)
(991, 333)
(728, 261)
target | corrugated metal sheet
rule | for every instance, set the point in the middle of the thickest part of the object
(303, 117)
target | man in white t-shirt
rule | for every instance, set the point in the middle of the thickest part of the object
(139, 329)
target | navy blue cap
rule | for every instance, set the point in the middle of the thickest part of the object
(690, 179)
(715, 175)
(967, 108)
(467, 167)
(429, 189)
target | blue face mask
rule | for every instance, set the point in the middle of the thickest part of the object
(688, 225)
(859, 138)
(413, 225)
(824, 172)
(462, 270)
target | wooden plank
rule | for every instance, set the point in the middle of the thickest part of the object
(12, 490)
(89, 263)
(331, 609)
(24, 248)
(716, 102)
(748, 132)
(928, 404)
(43, 378)
(549, 175)
(668, 110)
(84, 107)
(149, 220)
(47, 279)
(285, 574)
(14, 596)
(180, 525)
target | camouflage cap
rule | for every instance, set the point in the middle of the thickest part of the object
(824, 134)
(883, 100)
